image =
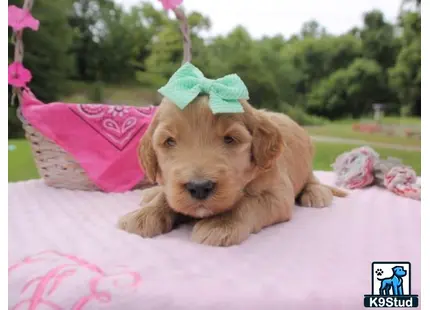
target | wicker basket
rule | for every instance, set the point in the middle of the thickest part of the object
(57, 167)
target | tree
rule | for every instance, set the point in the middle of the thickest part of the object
(45, 54)
(405, 76)
(315, 59)
(46, 50)
(167, 47)
(237, 53)
(310, 72)
(312, 29)
(284, 74)
(348, 92)
(378, 39)
(83, 18)
(166, 56)
(144, 23)
(100, 39)
(115, 45)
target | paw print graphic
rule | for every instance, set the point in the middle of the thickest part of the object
(379, 272)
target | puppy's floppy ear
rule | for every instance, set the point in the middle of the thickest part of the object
(147, 157)
(267, 141)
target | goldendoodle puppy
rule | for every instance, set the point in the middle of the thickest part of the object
(234, 173)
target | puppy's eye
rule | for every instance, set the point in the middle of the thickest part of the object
(170, 142)
(228, 140)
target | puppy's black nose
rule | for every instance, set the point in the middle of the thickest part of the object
(200, 189)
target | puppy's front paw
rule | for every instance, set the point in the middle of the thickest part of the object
(148, 194)
(147, 222)
(316, 196)
(221, 230)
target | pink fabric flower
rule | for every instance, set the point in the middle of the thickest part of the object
(19, 19)
(18, 75)
(170, 4)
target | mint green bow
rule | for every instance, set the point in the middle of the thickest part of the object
(188, 82)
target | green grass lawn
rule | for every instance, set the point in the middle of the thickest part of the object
(22, 167)
(344, 130)
(20, 162)
(387, 120)
(326, 153)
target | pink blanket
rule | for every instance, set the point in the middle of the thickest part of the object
(103, 139)
(65, 253)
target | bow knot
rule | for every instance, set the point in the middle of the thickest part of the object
(206, 84)
(188, 82)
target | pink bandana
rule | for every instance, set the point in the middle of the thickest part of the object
(103, 139)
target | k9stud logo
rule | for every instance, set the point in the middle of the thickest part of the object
(391, 286)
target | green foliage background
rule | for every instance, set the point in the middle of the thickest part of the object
(312, 76)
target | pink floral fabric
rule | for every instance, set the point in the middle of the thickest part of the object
(103, 139)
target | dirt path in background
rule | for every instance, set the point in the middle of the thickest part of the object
(363, 142)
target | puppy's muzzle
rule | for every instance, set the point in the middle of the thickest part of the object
(200, 189)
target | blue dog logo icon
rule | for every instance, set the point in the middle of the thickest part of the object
(391, 286)
(393, 283)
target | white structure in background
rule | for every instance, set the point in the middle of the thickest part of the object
(378, 111)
